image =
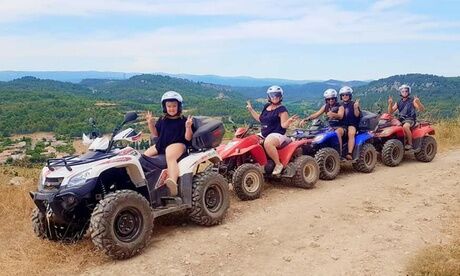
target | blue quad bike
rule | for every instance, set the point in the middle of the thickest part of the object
(324, 146)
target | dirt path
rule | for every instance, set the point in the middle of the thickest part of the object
(358, 224)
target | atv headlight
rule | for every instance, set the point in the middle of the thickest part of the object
(318, 138)
(79, 179)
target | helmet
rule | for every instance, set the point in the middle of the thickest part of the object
(275, 91)
(404, 86)
(330, 94)
(346, 90)
(171, 96)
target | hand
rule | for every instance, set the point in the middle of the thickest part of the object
(292, 119)
(304, 121)
(189, 122)
(149, 117)
(330, 115)
(356, 105)
(390, 100)
(417, 99)
(248, 105)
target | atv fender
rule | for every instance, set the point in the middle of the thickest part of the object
(189, 164)
(419, 132)
(360, 140)
(286, 152)
(256, 151)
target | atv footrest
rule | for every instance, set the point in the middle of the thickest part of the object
(171, 200)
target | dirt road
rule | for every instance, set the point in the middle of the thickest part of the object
(358, 224)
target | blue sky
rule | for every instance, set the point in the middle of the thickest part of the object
(294, 39)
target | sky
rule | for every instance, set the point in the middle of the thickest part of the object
(292, 39)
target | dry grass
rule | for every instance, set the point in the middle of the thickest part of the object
(22, 253)
(439, 259)
(448, 134)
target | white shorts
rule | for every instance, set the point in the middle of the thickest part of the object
(283, 139)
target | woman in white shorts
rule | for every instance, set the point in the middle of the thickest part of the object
(275, 120)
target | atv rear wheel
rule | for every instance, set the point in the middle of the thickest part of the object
(428, 149)
(248, 181)
(328, 160)
(367, 159)
(392, 152)
(306, 172)
(121, 224)
(210, 198)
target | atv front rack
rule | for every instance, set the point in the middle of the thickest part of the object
(69, 161)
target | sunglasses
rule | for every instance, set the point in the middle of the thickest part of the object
(346, 95)
(275, 95)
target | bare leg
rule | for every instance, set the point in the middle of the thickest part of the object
(339, 132)
(152, 151)
(408, 133)
(270, 145)
(351, 141)
(173, 152)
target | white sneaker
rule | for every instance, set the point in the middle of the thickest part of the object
(277, 170)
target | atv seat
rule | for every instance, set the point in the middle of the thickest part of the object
(156, 162)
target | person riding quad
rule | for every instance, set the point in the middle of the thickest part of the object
(174, 132)
(275, 120)
(351, 116)
(407, 108)
(334, 112)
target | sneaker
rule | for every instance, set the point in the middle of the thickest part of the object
(172, 186)
(408, 147)
(277, 170)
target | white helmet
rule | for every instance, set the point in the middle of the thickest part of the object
(171, 96)
(404, 86)
(346, 90)
(330, 93)
(275, 91)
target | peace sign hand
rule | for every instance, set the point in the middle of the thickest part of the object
(356, 105)
(390, 100)
(189, 121)
(248, 105)
(149, 117)
(292, 119)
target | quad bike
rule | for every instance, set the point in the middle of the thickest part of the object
(246, 165)
(390, 140)
(322, 143)
(117, 193)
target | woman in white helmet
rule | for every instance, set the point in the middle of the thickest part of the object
(275, 120)
(333, 111)
(351, 117)
(407, 108)
(174, 133)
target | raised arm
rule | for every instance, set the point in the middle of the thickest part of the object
(285, 120)
(418, 104)
(251, 110)
(151, 124)
(188, 128)
(391, 106)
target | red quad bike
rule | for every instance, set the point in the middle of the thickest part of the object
(246, 164)
(390, 140)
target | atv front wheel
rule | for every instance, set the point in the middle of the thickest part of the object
(54, 232)
(428, 149)
(328, 160)
(210, 198)
(367, 159)
(392, 152)
(121, 224)
(306, 172)
(248, 181)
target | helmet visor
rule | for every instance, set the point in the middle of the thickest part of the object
(275, 95)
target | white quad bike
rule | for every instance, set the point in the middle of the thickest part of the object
(118, 192)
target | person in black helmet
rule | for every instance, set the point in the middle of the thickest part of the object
(407, 108)
(174, 132)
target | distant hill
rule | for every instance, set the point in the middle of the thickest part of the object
(77, 76)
